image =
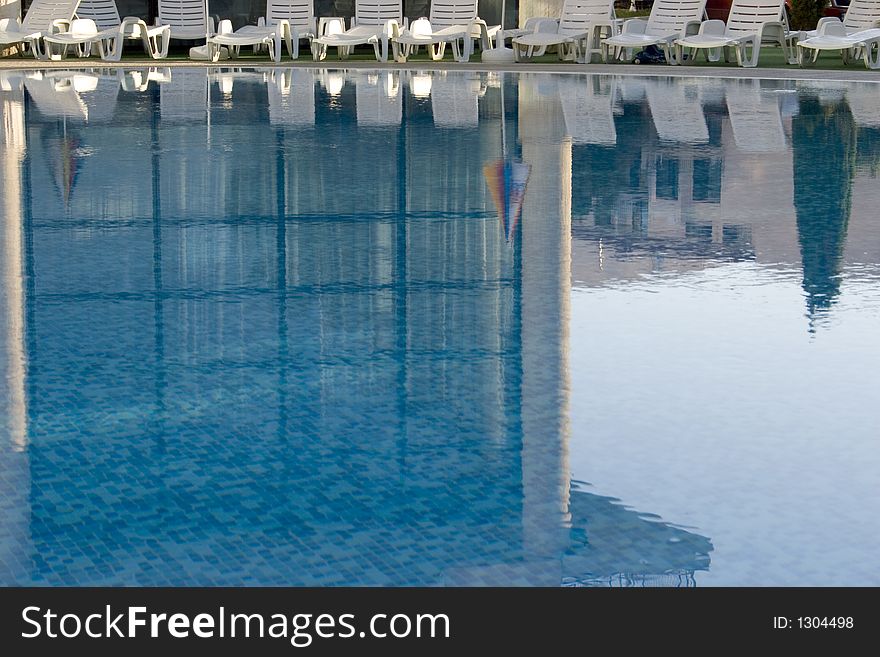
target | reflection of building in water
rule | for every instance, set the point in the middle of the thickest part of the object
(332, 369)
(15, 550)
(667, 199)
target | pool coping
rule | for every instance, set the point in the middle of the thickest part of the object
(7, 64)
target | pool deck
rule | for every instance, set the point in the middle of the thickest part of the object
(853, 74)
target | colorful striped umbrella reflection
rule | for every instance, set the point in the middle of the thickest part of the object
(507, 180)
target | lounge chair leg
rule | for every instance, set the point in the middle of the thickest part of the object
(871, 55)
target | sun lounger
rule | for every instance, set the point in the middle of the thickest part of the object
(42, 17)
(374, 23)
(749, 24)
(669, 20)
(450, 22)
(577, 33)
(285, 22)
(832, 36)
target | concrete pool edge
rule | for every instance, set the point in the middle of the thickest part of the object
(596, 69)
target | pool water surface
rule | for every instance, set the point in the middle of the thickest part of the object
(348, 327)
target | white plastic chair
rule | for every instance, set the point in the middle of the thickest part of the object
(749, 24)
(450, 22)
(833, 36)
(285, 22)
(43, 17)
(580, 28)
(374, 23)
(668, 21)
(187, 19)
(114, 31)
(860, 15)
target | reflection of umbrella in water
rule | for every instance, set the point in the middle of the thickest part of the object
(507, 179)
(66, 165)
(823, 144)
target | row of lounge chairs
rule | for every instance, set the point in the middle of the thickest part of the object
(584, 28)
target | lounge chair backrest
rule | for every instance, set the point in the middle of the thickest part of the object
(42, 13)
(186, 17)
(103, 12)
(377, 12)
(862, 14)
(452, 12)
(578, 15)
(672, 16)
(747, 16)
(299, 13)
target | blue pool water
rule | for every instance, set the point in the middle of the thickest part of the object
(270, 327)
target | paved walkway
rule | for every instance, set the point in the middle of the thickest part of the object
(789, 73)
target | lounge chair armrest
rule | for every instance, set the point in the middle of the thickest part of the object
(634, 26)
(713, 27)
(546, 25)
(777, 28)
(283, 28)
(391, 28)
(336, 23)
(261, 21)
(693, 27)
(225, 27)
(60, 25)
(531, 23)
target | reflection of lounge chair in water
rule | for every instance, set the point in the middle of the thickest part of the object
(291, 93)
(454, 100)
(74, 95)
(185, 96)
(379, 100)
(588, 108)
(677, 116)
(863, 104)
(755, 118)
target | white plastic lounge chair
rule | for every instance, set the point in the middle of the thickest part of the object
(832, 36)
(291, 93)
(452, 22)
(286, 21)
(755, 118)
(677, 117)
(374, 23)
(455, 100)
(749, 24)
(860, 15)
(669, 20)
(580, 28)
(43, 17)
(114, 31)
(187, 19)
(588, 109)
(378, 99)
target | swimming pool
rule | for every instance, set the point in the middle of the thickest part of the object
(296, 327)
